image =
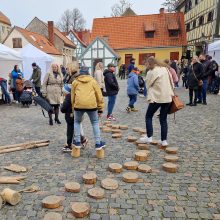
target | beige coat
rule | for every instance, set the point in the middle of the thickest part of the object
(99, 77)
(52, 88)
(159, 85)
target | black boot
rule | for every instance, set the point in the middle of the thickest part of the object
(50, 119)
(56, 110)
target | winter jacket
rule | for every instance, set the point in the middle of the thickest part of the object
(86, 94)
(52, 88)
(14, 76)
(198, 69)
(36, 77)
(160, 85)
(174, 75)
(111, 83)
(130, 67)
(19, 85)
(132, 84)
(99, 77)
(66, 108)
(69, 78)
(207, 70)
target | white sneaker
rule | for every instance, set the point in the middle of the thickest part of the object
(146, 140)
(16, 102)
(142, 96)
(164, 143)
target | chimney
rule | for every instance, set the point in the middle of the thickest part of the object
(162, 10)
(51, 32)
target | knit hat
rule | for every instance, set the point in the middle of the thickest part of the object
(67, 89)
(84, 70)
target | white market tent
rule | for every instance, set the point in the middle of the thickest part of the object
(8, 59)
(31, 54)
(214, 51)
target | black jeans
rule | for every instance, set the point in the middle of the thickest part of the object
(191, 95)
(152, 108)
(38, 91)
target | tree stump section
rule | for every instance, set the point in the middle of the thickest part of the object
(170, 158)
(130, 177)
(115, 126)
(73, 187)
(143, 147)
(141, 156)
(131, 165)
(96, 193)
(144, 168)
(53, 216)
(131, 139)
(142, 131)
(51, 202)
(117, 135)
(123, 127)
(116, 131)
(89, 178)
(154, 143)
(10, 196)
(100, 154)
(109, 184)
(170, 167)
(107, 130)
(171, 150)
(115, 167)
(136, 129)
(160, 146)
(75, 152)
(80, 209)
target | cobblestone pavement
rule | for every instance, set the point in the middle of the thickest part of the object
(191, 193)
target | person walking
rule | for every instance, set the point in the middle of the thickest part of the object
(160, 91)
(52, 91)
(72, 71)
(36, 78)
(195, 76)
(98, 75)
(87, 98)
(172, 71)
(19, 86)
(131, 65)
(112, 89)
(3, 86)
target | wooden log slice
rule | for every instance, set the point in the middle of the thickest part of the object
(154, 142)
(160, 146)
(75, 152)
(117, 135)
(100, 154)
(171, 158)
(115, 167)
(131, 139)
(130, 177)
(109, 125)
(123, 127)
(171, 150)
(141, 156)
(131, 165)
(73, 187)
(170, 167)
(115, 126)
(51, 202)
(109, 184)
(10, 196)
(116, 131)
(89, 178)
(53, 216)
(96, 193)
(142, 131)
(107, 130)
(144, 168)
(143, 147)
(136, 129)
(80, 209)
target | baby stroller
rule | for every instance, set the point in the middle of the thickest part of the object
(27, 94)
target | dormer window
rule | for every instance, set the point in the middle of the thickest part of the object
(149, 34)
(149, 30)
(173, 28)
(174, 33)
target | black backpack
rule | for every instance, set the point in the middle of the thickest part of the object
(140, 81)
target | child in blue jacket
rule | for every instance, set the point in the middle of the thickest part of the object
(132, 89)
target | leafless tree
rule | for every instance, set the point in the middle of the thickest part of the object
(71, 20)
(171, 5)
(119, 8)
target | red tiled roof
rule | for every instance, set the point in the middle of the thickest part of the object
(4, 19)
(85, 36)
(80, 40)
(149, 27)
(128, 32)
(173, 25)
(39, 41)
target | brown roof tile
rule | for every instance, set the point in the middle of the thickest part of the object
(4, 19)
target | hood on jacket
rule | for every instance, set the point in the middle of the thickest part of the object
(84, 78)
(106, 72)
(131, 74)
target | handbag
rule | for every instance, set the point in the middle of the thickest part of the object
(200, 82)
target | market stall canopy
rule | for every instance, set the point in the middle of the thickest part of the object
(214, 51)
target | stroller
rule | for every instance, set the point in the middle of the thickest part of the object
(27, 94)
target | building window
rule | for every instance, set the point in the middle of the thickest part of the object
(210, 16)
(17, 42)
(190, 5)
(196, 2)
(201, 20)
(173, 33)
(174, 56)
(144, 56)
(186, 7)
(194, 24)
(188, 27)
(149, 34)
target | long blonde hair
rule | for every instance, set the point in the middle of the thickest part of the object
(152, 62)
(97, 67)
(73, 68)
(58, 68)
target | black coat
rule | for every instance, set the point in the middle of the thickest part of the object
(193, 79)
(111, 83)
(66, 108)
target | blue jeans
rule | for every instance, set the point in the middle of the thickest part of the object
(202, 91)
(111, 103)
(145, 90)
(152, 108)
(133, 99)
(93, 116)
(3, 85)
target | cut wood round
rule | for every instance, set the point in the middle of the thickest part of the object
(80, 209)
(115, 167)
(142, 131)
(171, 150)
(144, 168)
(138, 142)
(136, 129)
(51, 202)
(117, 135)
(107, 130)
(100, 154)
(109, 125)
(132, 139)
(123, 127)
(130, 177)
(131, 165)
(154, 143)
(10, 196)
(109, 184)
(73, 187)
(143, 147)
(116, 131)
(1, 202)
(170, 167)
(96, 193)
(53, 216)
(141, 156)
(89, 178)
(160, 146)
(171, 158)
(115, 126)
(75, 152)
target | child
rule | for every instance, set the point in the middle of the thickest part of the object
(132, 89)
(87, 98)
(19, 86)
(67, 109)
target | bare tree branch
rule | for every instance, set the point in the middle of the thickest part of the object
(119, 8)
(171, 5)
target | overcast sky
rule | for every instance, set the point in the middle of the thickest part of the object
(21, 12)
